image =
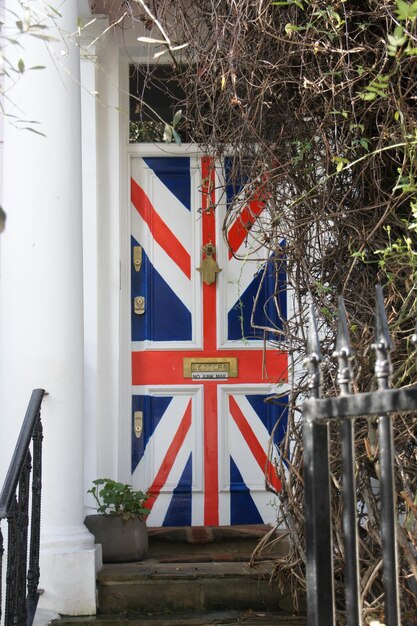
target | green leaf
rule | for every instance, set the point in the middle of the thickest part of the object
(341, 162)
(177, 138)
(396, 40)
(179, 47)
(368, 96)
(406, 11)
(38, 26)
(119, 499)
(159, 54)
(359, 127)
(21, 65)
(399, 32)
(54, 10)
(298, 3)
(152, 40)
(43, 37)
(344, 114)
(177, 118)
(377, 87)
(168, 133)
(292, 28)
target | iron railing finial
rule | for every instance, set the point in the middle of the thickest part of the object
(313, 358)
(343, 352)
(383, 344)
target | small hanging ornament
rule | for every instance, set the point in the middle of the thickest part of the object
(208, 267)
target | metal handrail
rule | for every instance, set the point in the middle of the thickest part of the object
(21, 492)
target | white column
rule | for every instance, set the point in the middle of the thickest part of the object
(41, 297)
(91, 36)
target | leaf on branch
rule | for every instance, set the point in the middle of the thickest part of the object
(177, 138)
(54, 10)
(298, 3)
(168, 133)
(376, 88)
(292, 28)
(43, 37)
(177, 118)
(21, 65)
(341, 162)
(179, 47)
(396, 41)
(406, 11)
(152, 40)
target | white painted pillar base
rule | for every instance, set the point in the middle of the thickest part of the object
(41, 295)
(68, 576)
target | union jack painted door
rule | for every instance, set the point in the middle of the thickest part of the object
(204, 442)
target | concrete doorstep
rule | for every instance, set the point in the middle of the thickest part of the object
(212, 618)
(151, 586)
(194, 576)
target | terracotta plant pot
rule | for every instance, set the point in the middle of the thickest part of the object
(122, 541)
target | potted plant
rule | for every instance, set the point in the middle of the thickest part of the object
(120, 524)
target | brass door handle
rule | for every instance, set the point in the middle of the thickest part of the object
(137, 257)
(138, 423)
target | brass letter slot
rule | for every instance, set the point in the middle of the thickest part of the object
(210, 368)
(138, 419)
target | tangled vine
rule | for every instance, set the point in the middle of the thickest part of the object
(316, 100)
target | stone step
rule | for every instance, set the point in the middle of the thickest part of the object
(169, 542)
(217, 618)
(196, 576)
(151, 586)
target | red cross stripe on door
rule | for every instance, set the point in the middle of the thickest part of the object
(159, 367)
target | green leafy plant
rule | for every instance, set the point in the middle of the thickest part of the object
(170, 133)
(114, 498)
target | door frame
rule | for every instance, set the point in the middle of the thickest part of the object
(127, 152)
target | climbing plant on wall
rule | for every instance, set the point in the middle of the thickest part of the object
(316, 100)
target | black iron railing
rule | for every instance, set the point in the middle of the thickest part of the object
(317, 415)
(20, 505)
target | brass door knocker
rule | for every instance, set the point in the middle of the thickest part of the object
(208, 268)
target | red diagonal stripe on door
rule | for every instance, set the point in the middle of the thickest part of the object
(244, 221)
(254, 445)
(160, 231)
(171, 455)
(238, 232)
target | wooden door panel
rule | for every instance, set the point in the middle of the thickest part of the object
(202, 448)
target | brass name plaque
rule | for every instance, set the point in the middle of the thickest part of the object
(210, 368)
